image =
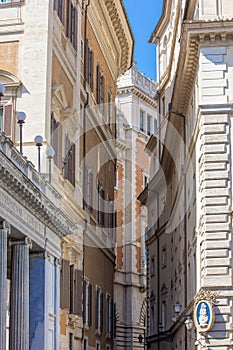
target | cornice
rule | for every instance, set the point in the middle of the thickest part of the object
(123, 32)
(194, 35)
(20, 180)
(139, 93)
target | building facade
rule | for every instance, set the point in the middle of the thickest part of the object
(189, 196)
(136, 121)
(108, 47)
(40, 69)
(59, 61)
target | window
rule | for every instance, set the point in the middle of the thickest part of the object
(152, 320)
(109, 307)
(70, 341)
(155, 126)
(5, 1)
(99, 86)
(99, 310)
(59, 8)
(75, 291)
(71, 23)
(6, 115)
(69, 161)
(145, 180)
(89, 189)
(141, 120)
(85, 344)
(111, 214)
(109, 108)
(164, 256)
(163, 106)
(70, 288)
(163, 315)
(101, 197)
(152, 266)
(89, 64)
(87, 308)
(149, 127)
(56, 140)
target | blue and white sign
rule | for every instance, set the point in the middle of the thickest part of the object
(203, 316)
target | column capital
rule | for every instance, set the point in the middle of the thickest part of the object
(44, 254)
(57, 262)
(26, 242)
(5, 225)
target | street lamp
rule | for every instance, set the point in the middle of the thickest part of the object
(177, 308)
(39, 142)
(21, 116)
(50, 154)
(188, 323)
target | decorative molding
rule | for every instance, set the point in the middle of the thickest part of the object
(26, 241)
(21, 181)
(207, 295)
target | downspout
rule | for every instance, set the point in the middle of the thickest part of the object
(84, 147)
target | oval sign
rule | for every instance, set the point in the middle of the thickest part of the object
(203, 316)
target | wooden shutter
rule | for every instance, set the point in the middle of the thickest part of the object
(114, 320)
(65, 284)
(97, 309)
(91, 190)
(72, 289)
(98, 84)
(59, 144)
(8, 109)
(89, 305)
(101, 311)
(85, 296)
(91, 70)
(73, 150)
(86, 59)
(78, 292)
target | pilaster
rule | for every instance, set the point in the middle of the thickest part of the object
(3, 282)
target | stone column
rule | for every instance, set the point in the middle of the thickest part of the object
(3, 279)
(19, 295)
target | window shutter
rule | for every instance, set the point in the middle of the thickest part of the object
(89, 305)
(65, 285)
(59, 145)
(73, 163)
(85, 296)
(114, 320)
(98, 84)
(97, 310)
(101, 311)
(78, 292)
(72, 289)
(8, 120)
(91, 190)
(91, 70)
(86, 60)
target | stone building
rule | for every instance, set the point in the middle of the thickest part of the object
(59, 60)
(40, 54)
(108, 47)
(136, 121)
(189, 196)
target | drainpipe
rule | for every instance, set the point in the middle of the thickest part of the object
(185, 220)
(84, 145)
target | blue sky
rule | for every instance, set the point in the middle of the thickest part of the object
(143, 17)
